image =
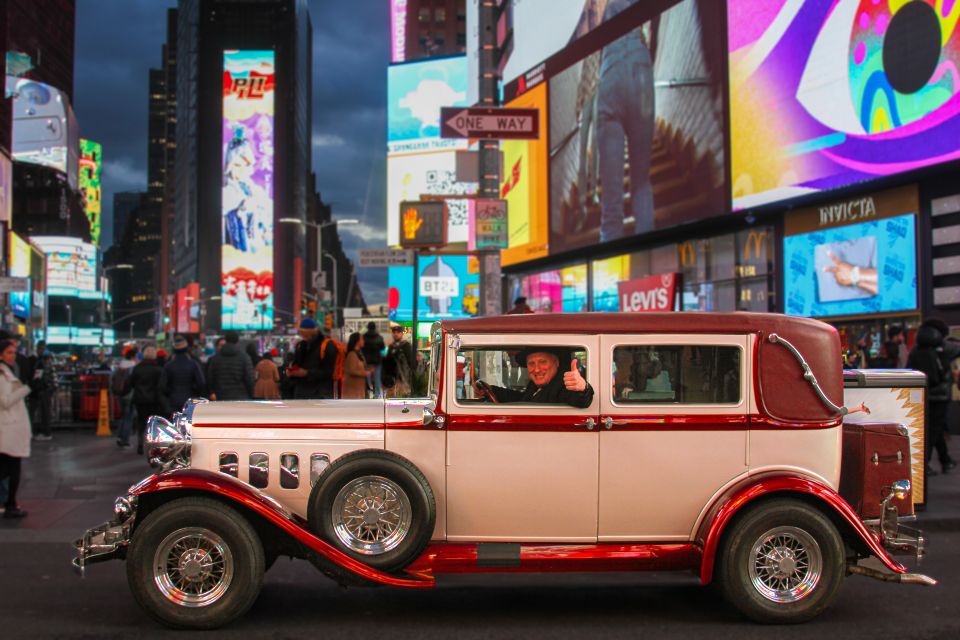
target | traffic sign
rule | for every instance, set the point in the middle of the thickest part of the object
(423, 224)
(385, 258)
(490, 123)
(12, 284)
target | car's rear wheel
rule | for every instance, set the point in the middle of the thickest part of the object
(374, 506)
(195, 563)
(782, 562)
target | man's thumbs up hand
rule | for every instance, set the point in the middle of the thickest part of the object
(572, 379)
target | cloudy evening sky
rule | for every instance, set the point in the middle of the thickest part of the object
(118, 41)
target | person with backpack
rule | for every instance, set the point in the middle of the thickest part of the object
(144, 383)
(315, 362)
(182, 377)
(118, 385)
(927, 356)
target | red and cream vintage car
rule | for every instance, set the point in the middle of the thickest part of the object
(709, 443)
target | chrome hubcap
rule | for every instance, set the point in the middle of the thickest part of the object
(785, 565)
(193, 567)
(371, 515)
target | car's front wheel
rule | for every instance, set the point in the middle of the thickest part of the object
(195, 563)
(781, 563)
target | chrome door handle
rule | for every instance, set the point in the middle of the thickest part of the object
(589, 423)
(609, 423)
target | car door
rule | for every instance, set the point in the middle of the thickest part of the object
(519, 472)
(674, 425)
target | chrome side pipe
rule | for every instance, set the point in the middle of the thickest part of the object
(902, 578)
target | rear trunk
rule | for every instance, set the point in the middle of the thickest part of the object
(875, 455)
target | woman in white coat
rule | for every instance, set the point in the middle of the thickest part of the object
(14, 426)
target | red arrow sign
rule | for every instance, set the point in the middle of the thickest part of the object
(490, 123)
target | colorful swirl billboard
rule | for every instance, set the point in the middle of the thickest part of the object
(91, 167)
(247, 194)
(825, 93)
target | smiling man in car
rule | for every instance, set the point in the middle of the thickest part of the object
(545, 385)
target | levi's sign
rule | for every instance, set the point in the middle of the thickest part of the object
(490, 123)
(652, 293)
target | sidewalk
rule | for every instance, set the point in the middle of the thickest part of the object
(70, 482)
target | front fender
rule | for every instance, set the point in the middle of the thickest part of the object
(750, 489)
(231, 489)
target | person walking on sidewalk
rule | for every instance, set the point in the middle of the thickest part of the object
(14, 427)
(312, 371)
(182, 377)
(118, 384)
(230, 371)
(355, 369)
(144, 382)
(267, 374)
(373, 346)
(44, 385)
(926, 357)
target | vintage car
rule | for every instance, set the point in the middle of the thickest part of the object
(708, 443)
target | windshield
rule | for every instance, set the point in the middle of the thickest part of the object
(436, 344)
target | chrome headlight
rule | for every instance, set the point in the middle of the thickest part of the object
(168, 443)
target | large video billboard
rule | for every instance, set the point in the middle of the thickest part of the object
(419, 161)
(71, 265)
(825, 93)
(552, 291)
(20, 267)
(91, 168)
(247, 194)
(449, 287)
(637, 130)
(523, 185)
(44, 127)
(852, 258)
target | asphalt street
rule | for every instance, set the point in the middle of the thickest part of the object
(70, 484)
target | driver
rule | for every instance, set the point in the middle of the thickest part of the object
(545, 386)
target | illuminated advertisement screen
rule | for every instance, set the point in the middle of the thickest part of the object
(419, 162)
(71, 265)
(553, 291)
(6, 187)
(91, 168)
(40, 123)
(449, 287)
(607, 275)
(83, 336)
(20, 267)
(825, 93)
(412, 177)
(870, 267)
(247, 195)
(524, 186)
(398, 30)
(637, 131)
(541, 28)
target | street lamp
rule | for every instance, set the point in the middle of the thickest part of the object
(336, 298)
(103, 297)
(320, 253)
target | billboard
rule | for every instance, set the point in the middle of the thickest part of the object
(82, 336)
(398, 30)
(20, 267)
(6, 187)
(449, 287)
(637, 130)
(44, 127)
(553, 291)
(247, 193)
(91, 168)
(541, 28)
(852, 258)
(524, 186)
(71, 265)
(419, 162)
(826, 93)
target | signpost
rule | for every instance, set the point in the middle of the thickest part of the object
(385, 258)
(489, 123)
(13, 284)
(488, 219)
(423, 224)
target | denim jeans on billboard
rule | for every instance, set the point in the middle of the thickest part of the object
(625, 113)
(126, 418)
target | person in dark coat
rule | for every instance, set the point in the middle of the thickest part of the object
(926, 357)
(373, 355)
(230, 372)
(182, 377)
(546, 386)
(144, 381)
(312, 372)
(24, 367)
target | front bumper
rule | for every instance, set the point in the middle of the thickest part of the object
(109, 540)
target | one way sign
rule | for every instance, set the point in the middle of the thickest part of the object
(489, 123)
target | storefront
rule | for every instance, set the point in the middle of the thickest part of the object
(853, 263)
(729, 272)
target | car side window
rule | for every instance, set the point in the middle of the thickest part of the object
(676, 374)
(504, 367)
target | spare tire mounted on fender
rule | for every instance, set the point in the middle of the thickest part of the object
(375, 506)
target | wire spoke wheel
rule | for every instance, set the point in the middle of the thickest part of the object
(785, 564)
(371, 515)
(193, 567)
